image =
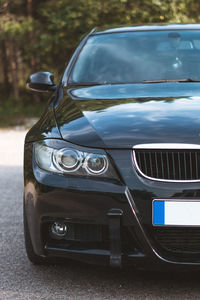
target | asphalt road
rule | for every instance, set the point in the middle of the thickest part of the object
(19, 279)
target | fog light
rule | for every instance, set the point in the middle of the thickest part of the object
(59, 229)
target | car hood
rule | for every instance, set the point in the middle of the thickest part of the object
(121, 116)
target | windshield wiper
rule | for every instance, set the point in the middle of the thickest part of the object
(85, 83)
(144, 81)
(172, 80)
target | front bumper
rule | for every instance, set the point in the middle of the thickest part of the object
(87, 202)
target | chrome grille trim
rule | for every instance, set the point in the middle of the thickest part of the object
(176, 160)
(167, 146)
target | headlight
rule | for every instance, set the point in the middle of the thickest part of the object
(73, 161)
(68, 160)
(96, 164)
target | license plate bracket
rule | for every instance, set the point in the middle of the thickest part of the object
(176, 212)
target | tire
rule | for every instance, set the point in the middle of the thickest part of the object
(34, 258)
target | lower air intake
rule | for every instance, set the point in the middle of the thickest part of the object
(178, 240)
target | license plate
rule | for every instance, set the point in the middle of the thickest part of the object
(176, 212)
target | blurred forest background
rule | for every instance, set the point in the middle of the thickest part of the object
(41, 35)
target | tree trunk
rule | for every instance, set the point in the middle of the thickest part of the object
(13, 68)
(4, 61)
(29, 8)
(33, 62)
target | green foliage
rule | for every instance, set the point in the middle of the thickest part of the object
(11, 115)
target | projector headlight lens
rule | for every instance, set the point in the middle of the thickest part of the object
(73, 161)
(68, 159)
(96, 163)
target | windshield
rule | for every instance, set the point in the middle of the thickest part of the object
(138, 56)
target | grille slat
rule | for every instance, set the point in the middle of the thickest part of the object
(139, 159)
(161, 158)
(169, 164)
(179, 165)
(150, 161)
(173, 163)
(196, 164)
(145, 162)
(156, 165)
(190, 164)
(168, 172)
(185, 165)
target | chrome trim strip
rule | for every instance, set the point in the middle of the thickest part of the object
(167, 146)
(129, 198)
(148, 248)
(158, 179)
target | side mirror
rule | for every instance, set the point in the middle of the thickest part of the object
(41, 82)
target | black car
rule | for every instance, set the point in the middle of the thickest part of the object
(112, 168)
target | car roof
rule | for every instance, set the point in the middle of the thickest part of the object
(152, 27)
